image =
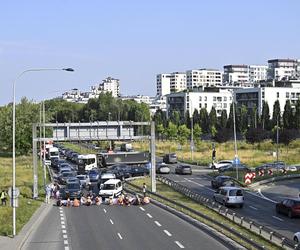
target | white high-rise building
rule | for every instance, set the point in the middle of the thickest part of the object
(236, 74)
(280, 69)
(177, 81)
(257, 73)
(163, 84)
(199, 78)
(109, 84)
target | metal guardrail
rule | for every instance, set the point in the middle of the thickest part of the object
(261, 230)
(180, 206)
(273, 179)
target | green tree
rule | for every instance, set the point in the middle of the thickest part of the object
(223, 119)
(183, 133)
(276, 114)
(212, 120)
(204, 120)
(265, 116)
(171, 131)
(197, 132)
(175, 117)
(297, 114)
(288, 119)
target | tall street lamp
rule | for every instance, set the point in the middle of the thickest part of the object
(13, 195)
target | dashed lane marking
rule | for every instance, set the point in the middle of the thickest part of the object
(66, 242)
(143, 209)
(104, 210)
(149, 215)
(201, 185)
(64, 231)
(65, 236)
(167, 233)
(157, 223)
(120, 236)
(67, 248)
(63, 226)
(111, 221)
(253, 207)
(277, 218)
(179, 244)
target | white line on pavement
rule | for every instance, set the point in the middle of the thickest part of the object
(104, 210)
(261, 196)
(66, 242)
(111, 221)
(167, 233)
(201, 185)
(149, 215)
(120, 236)
(63, 226)
(157, 223)
(277, 218)
(253, 207)
(179, 244)
(67, 248)
(64, 231)
(62, 222)
(143, 209)
(65, 236)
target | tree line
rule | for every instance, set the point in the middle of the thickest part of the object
(250, 125)
(103, 108)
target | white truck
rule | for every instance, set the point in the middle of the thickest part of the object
(86, 162)
(51, 153)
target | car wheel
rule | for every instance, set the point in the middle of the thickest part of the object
(241, 205)
(296, 239)
(290, 214)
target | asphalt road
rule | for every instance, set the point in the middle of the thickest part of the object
(256, 207)
(117, 227)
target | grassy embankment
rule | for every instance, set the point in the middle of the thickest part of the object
(24, 181)
(166, 191)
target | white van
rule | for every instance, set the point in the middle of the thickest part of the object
(111, 188)
(230, 196)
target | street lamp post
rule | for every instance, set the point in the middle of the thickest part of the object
(13, 195)
(234, 134)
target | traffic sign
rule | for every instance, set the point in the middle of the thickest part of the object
(236, 161)
(270, 172)
(15, 194)
(261, 172)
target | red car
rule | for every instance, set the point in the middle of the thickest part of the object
(290, 207)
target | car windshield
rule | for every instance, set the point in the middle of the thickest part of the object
(187, 167)
(66, 174)
(109, 186)
(73, 186)
(93, 173)
(80, 177)
(173, 155)
(236, 192)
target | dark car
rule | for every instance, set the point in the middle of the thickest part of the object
(183, 169)
(290, 207)
(56, 162)
(139, 171)
(230, 168)
(62, 179)
(94, 175)
(275, 166)
(72, 191)
(170, 158)
(221, 181)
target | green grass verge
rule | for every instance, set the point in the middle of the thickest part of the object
(166, 191)
(24, 181)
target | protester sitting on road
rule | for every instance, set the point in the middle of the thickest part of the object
(64, 203)
(146, 200)
(76, 203)
(58, 202)
(127, 200)
(98, 200)
(137, 200)
(110, 200)
(82, 200)
(120, 200)
(68, 202)
(88, 201)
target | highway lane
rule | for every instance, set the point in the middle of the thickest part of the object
(134, 227)
(256, 208)
(48, 235)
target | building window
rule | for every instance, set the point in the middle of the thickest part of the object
(200, 98)
(225, 105)
(205, 98)
(225, 98)
(214, 98)
(200, 105)
(263, 95)
(287, 95)
(205, 105)
(277, 94)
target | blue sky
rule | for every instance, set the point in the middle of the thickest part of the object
(135, 40)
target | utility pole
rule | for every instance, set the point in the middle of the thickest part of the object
(192, 138)
(153, 166)
(277, 136)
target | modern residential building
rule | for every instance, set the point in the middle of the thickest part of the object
(160, 102)
(177, 81)
(221, 99)
(109, 84)
(236, 74)
(139, 98)
(200, 78)
(163, 84)
(282, 69)
(254, 97)
(257, 73)
(72, 95)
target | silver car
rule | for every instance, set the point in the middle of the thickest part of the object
(230, 196)
(162, 169)
(83, 179)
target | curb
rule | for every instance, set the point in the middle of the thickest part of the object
(275, 179)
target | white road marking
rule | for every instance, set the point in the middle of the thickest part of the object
(167, 233)
(62, 219)
(104, 210)
(62, 222)
(63, 226)
(277, 218)
(66, 242)
(65, 236)
(143, 209)
(179, 244)
(66, 248)
(64, 231)
(261, 196)
(111, 221)
(149, 215)
(120, 236)
(253, 207)
(201, 185)
(157, 223)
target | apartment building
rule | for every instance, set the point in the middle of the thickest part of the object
(236, 74)
(200, 78)
(177, 81)
(163, 84)
(220, 99)
(282, 69)
(109, 84)
(254, 97)
(257, 73)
